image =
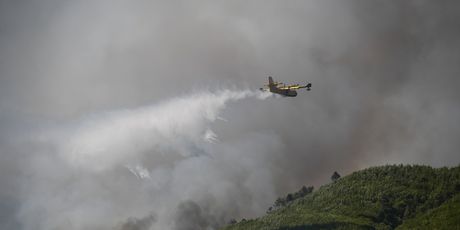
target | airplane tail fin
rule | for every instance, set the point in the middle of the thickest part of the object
(271, 84)
(270, 80)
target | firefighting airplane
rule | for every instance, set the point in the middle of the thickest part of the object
(283, 89)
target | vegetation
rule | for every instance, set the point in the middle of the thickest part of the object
(282, 202)
(447, 216)
(335, 176)
(386, 197)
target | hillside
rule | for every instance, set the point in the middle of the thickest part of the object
(386, 197)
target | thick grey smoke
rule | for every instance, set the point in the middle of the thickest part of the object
(115, 114)
(138, 224)
(190, 216)
(129, 163)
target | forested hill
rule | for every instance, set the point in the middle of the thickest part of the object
(386, 197)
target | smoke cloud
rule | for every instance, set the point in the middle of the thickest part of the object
(138, 224)
(133, 114)
(156, 159)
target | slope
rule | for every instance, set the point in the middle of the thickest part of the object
(382, 197)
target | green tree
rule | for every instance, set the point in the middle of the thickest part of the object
(335, 176)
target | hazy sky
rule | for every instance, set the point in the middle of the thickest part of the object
(145, 114)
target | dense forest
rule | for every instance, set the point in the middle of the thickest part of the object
(385, 197)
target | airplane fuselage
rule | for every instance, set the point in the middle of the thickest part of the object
(282, 89)
(283, 92)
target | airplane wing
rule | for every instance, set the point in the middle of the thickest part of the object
(293, 87)
(296, 86)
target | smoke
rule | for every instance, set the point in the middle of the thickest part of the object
(137, 224)
(190, 216)
(385, 90)
(162, 159)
